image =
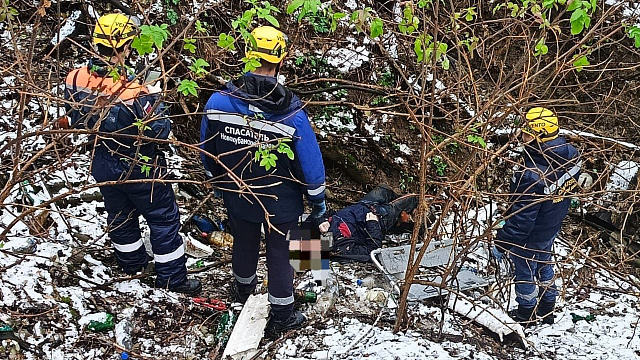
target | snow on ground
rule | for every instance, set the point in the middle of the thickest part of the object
(349, 58)
(48, 280)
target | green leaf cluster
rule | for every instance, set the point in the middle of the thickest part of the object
(440, 164)
(250, 64)
(262, 10)
(476, 139)
(469, 14)
(145, 168)
(198, 67)
(359, 18)
(322, 18)
(581, 14)
(541, 48)
(409, 23)
(141, 125)
(580, 61)
(189, 45)
(150, 36)
(188, 87)
(424, 47)
(634, 33)
(304, 8)
(7, 12)
(201, 27)
(268, 159)
(227, 41)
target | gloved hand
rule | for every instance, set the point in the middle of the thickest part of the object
(318, 209)
(324, 227)
(371, 217)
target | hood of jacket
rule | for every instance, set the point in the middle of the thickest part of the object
(265, 93)
(554, 153)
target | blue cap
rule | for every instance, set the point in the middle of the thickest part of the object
(359, 281)
(124, 355)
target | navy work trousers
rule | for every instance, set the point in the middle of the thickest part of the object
(246, 246)
(156, 203)
(534, 275)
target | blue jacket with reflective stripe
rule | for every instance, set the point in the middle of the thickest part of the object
(255, 112)
(540, 194)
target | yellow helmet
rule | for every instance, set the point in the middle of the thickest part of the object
(542, 124)
(114, 30)
(271, 44)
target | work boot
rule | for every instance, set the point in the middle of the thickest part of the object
(278, 325)
(545, 312)
(524, 315)
(190, 287)
(239, 293)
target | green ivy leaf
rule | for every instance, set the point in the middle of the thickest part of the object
(377, 28)
(295, 4)
(189, 45)
(145, 169)
(143, 45)
(541, 48)
(289, 154)
(334, 20)
(445, 63)
(273, 21)
(265, 163)
(634, 33)
(417, 48)
(580, 61)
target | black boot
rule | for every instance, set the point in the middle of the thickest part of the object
(545, 312)
(278, 325)
(524, 315)
(239, 293)
(190, 287)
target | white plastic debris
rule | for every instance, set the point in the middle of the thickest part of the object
(249, 329)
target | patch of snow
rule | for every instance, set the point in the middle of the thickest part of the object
(67, 28)
(351, 4)
(348, 58)
(405, 149)
(99, 317)
(623, 173)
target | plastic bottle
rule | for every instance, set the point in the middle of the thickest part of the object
(220, 239)
(99, 326)
(124, 330)
(224, 326)
(328, 296)
(575, 317)
(305, 297)
(368, 282)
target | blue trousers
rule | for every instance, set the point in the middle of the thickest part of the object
(534, 275)
(156, 203)
(246, 246)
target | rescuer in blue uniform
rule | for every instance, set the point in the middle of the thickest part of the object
(540, 200)
(103, 97)
(260, 133)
